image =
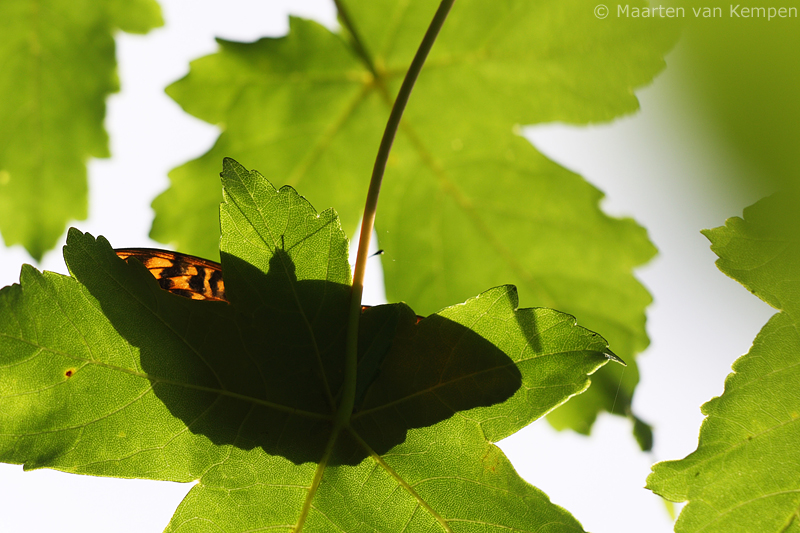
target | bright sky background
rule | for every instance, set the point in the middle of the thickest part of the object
(653, 166)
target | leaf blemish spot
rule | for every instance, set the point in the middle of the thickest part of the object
(69, 372)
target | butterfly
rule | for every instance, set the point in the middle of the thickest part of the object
(183, 274)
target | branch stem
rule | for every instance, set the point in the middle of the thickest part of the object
(368, 221)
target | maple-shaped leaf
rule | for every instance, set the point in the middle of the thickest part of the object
(745, 474)
(466, 202)
(58, 66)
(105, 373)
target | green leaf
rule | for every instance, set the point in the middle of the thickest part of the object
(467, 203)
(104, 373)
(761, 251)
(744, 475)
(57, 59)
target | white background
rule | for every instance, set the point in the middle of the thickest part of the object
(654, 166)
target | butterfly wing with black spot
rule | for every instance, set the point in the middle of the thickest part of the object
(181, 274)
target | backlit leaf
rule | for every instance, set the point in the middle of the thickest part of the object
(744, 475)
(466, 202)
(105, 373)
(58, 66)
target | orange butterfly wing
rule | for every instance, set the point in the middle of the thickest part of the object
(181, 274)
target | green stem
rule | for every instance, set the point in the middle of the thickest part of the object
(368, 221)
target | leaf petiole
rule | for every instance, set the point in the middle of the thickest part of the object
(368, 221)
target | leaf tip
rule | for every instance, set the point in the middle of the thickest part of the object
(611, 356)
